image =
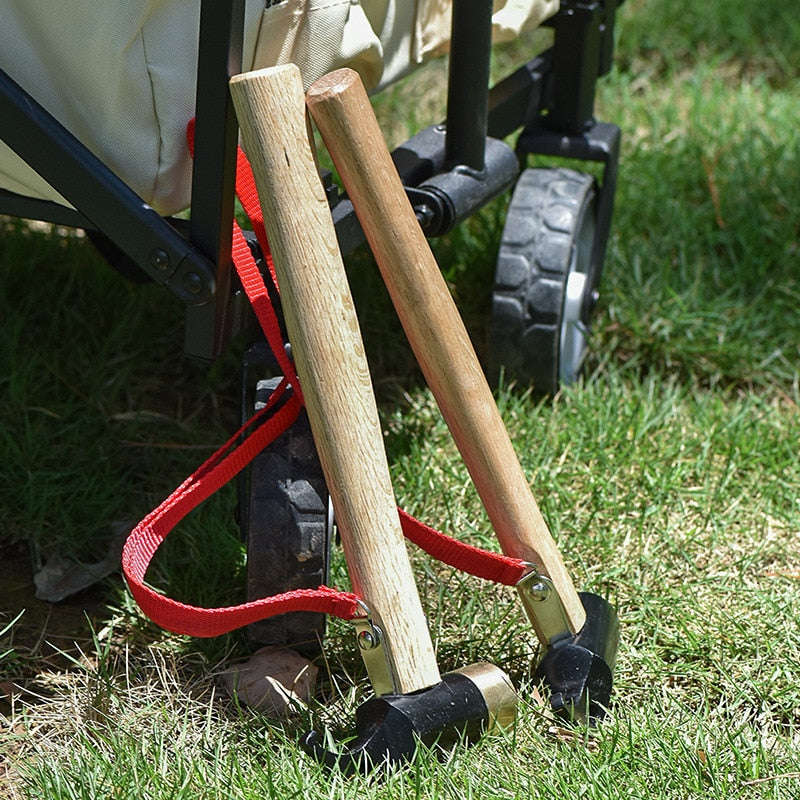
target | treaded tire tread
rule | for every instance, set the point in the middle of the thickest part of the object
(543, 221)
(288, 537)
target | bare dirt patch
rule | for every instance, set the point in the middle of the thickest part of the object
(45, 636)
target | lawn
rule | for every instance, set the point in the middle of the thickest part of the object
(669, 475)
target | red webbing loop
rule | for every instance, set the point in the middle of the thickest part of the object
(148, 535)
(264, 427)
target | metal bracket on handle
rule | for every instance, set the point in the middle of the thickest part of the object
(370, 639)
(544, 607)
(576, 668)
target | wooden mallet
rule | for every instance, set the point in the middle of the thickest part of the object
(331, 364)
(341, 109)
(333, 372)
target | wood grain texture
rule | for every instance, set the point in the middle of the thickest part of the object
(341, 109)
(331, 364)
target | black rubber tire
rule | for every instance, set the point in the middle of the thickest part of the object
(536, 336)
(288, 532)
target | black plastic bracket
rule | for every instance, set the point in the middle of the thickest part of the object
(441, 197)
(449, 197)
(582, 52)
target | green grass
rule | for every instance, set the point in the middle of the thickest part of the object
(669, 475)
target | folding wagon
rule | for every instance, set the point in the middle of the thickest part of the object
(93, 135)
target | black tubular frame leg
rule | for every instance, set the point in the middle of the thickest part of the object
(468, 84)
(209, 327)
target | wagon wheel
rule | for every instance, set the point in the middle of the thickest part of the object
(543, 291)
(287, 528)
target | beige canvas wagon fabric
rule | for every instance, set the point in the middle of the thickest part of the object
(121, 75)
(509, 19)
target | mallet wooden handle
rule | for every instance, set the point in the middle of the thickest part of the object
(331, 364)
(343, 114)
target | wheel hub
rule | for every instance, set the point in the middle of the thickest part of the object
(573, 329)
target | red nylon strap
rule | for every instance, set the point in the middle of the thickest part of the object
(226, 463)
(264, 427)
(245, 264)
(148, 535)
(257, 294)
(464, 557)
(248, 196)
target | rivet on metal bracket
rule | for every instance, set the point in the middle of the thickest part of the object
(544, 607)
(370, 640)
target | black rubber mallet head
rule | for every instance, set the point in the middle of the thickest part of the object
(462, 707)
(577, 671)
